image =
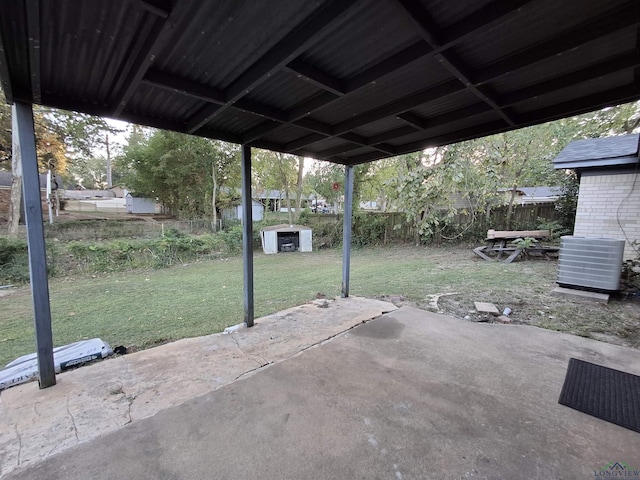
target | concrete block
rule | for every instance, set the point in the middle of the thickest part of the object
(581, 295)
(503, 319)
(484, 307)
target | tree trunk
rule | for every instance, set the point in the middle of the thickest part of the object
(285, 184)
(14, 207)
(286, 192)
(109, 179)
(16, 184)
(214, 192)
(510, 209)
(299, 187)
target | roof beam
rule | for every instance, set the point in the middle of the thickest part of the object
(573, 107)
(304, 36)
(159, 8)
(617, 18)
(360, 140)
(304, 141)
(432, 34)
(173, 83)
(275, 116)
(448, 117)
(139, 119)
(312, 104)
(259, 130)
(465, 134)
(581, 105)
(192, 89)
(413, 119)
(483, 19)
(593, 72)
(316, 76)
(136, 65)
(392, 134)
(389, 65)
(33, 28)
(403, 105)
(337, 150)
(262, 110)
(456, 33)
(563, 42)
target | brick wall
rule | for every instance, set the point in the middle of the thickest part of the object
(605, 200)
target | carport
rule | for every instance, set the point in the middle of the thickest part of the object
(347, 81)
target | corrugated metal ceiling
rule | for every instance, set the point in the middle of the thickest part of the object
(348, 81)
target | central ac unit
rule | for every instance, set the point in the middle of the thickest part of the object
(594, 263)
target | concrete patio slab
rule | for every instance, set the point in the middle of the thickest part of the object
(106, 396)
(409, 395)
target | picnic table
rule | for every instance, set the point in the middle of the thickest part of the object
(499, 243)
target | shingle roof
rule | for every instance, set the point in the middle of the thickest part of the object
(599, 152)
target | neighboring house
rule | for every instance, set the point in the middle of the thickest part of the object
(85, 194)
(276, 200)
(262, 200)
(609, 194)
(525, 195)
(235, 212)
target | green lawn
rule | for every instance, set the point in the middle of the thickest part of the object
(142, 309)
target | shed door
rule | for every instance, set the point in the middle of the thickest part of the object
(270, 242)
(305, 241)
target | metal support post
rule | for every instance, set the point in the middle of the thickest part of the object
(23, 124)
(247, 236)
(346, 229)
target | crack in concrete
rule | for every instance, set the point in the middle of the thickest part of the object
(73, 422)
(252, 370)
(331, 337)
(15, 426)
(236, 342)
(319, 342)
(130, 398)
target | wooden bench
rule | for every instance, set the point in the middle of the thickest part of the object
(500, 242)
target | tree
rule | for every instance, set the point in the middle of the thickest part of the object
(185, 173)
(475, 170)
(279, 171)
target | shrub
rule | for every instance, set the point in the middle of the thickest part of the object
(368, 229)
(14, 261)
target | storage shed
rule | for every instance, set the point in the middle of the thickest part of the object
(257, 211)
(286, 238)
(140, 204)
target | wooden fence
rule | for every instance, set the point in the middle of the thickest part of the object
(463, 226)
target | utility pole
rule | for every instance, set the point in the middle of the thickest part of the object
(109, 181)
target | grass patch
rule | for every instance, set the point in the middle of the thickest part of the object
(146, 308)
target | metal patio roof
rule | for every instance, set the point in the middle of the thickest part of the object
(347, 81)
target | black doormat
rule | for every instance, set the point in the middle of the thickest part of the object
(602, 392)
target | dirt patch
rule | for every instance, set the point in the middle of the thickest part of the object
(617, 322)
(525, 286)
